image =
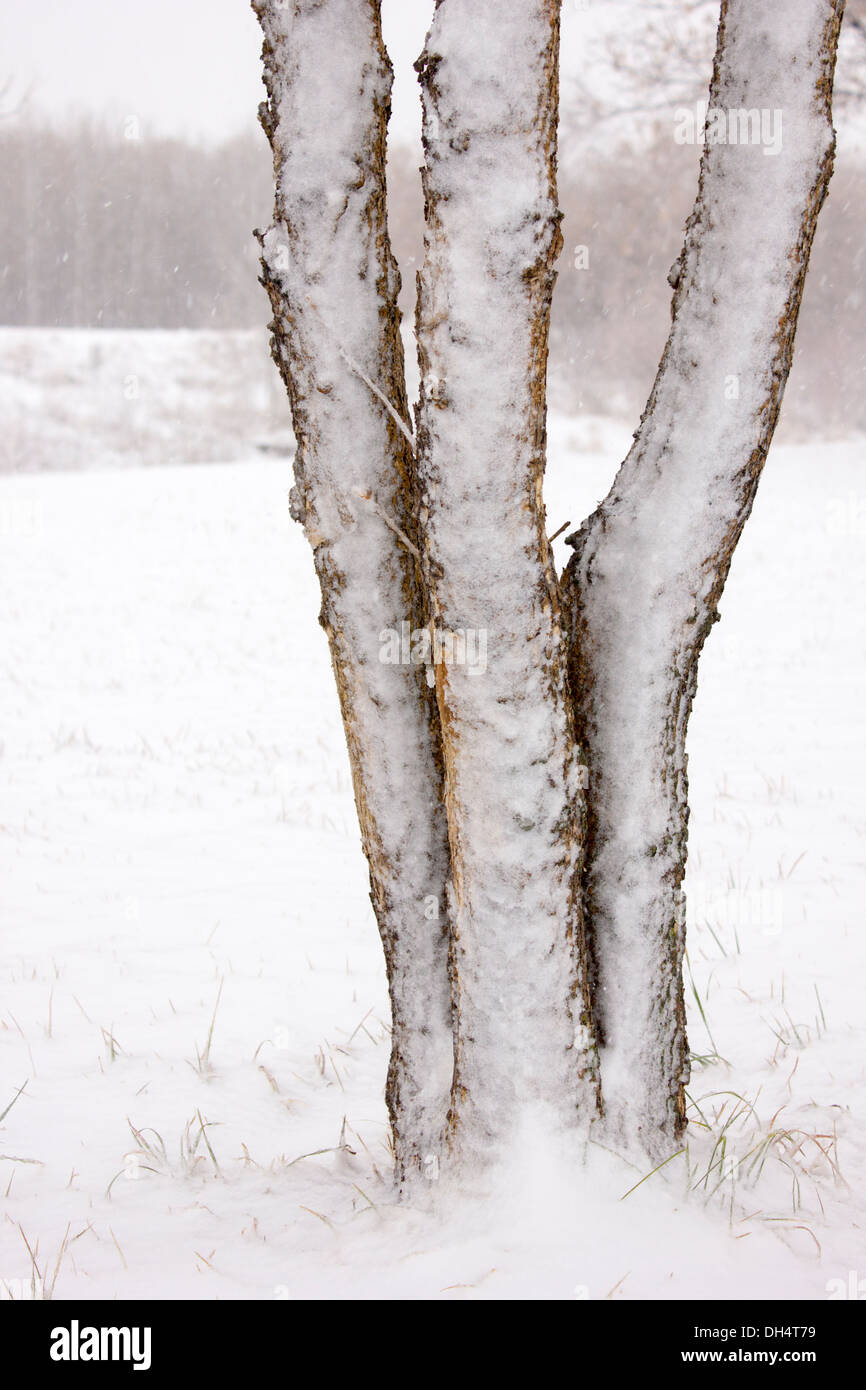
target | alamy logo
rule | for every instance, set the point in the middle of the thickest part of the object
(732, 125)
(854, 1288)
(75, 1343)
(24, 1290)
(422, 647)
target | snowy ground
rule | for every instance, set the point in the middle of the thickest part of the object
(191, 984)
(98, 398)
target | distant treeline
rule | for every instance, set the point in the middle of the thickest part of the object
(98, 230)
(610, 320)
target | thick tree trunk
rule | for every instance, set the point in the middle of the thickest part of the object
(513, 781)
(566, 916)
(333, 285)
(650, 564)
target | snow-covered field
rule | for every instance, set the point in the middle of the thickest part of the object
(191, 984)
(97, 398)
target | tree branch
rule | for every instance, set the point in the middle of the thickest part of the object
(513, 792)
(333, 286)
(650, 564)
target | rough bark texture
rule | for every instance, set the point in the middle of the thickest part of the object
(332, 282)
(650, 564)
(513, 782)
(566, 915)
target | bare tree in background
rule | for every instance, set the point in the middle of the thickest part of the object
(524, 818)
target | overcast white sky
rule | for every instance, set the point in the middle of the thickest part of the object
(192, 67)
(188, 67)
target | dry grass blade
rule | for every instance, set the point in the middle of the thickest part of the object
(4, 1113)
(646, 1176)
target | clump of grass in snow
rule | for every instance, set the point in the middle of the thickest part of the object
(151, 1156)
(39, 1289)
(729, 1146)
(111, 1044)
(202, 1064)
(732, 1153)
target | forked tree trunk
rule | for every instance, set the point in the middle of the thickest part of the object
(566, 914)
(333, 285)
(650, 564)
(512, 770)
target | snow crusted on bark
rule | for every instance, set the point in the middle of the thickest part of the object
(651, 562)
(513, 778)
(333, 286)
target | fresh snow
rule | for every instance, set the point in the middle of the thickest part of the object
(93, 398)
(176, 818)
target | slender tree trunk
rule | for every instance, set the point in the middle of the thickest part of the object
(650, 564)
(512, 767)
(333, 285)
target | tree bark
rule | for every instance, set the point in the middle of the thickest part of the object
(513, 793)
(333, 285)
(650, 565)
(565, 912)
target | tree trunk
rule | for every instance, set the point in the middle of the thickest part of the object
(650, 564)
(333, 286)
(565, 913)
(513, 793)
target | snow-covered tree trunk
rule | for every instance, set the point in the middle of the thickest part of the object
(512, 768)
(565, 915)
(650, 564)
(333, 285)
